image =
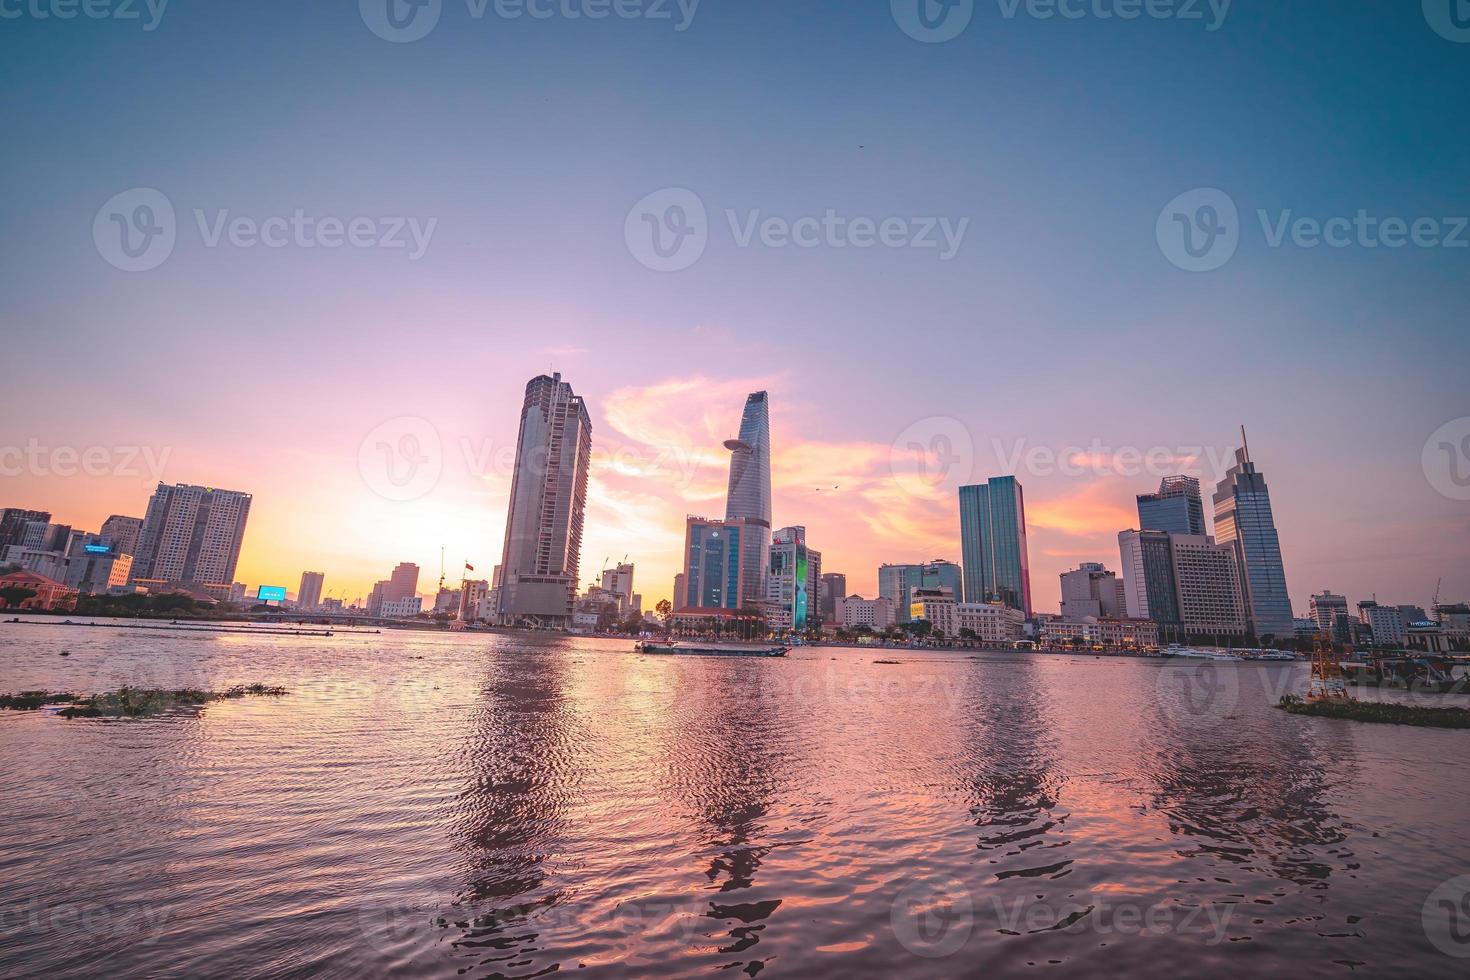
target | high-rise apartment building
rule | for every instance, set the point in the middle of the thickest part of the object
(1330, 612)
(618, 581)
(122, 533)
(1243, 520)
(993, 543)
(309, 594)
(716, 554)
(1386, 623)
(792, 580)
(897, 583)
(13, 521)
(548, 494)
(1176, 508)
(748, 497)
(192, 534)
(403, 583)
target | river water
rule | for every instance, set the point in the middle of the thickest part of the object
(440, 805)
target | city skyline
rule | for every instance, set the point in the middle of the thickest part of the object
(1092, 496)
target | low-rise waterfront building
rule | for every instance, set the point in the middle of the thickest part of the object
(49, 594)
(854, 612)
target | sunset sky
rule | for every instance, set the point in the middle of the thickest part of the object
(1059, 329)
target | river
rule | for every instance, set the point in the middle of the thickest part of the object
(436, 805)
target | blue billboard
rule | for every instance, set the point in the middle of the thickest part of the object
(97, 549)
(271, 593)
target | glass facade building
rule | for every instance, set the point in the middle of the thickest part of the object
(1176, 508)
(899, 582)
(748, 497)
(715, 554)
(993, 543)
(1243, 519)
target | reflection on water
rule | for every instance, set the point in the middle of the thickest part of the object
(513, 807)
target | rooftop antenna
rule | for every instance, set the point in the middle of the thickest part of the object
(1245, 444)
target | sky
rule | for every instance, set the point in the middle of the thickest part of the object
(1032, 307)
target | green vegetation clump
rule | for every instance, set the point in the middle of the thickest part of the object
(1378, 712)
(131, 702)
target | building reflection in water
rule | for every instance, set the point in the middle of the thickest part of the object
(524, 757)
(1248, 787)
(1014, 785)
(726, 761)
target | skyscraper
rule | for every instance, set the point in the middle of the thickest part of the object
(715, 556)
(749, 495)
(792, 580)
(192, 534)
(993, 543)
(122, 533)
(404, 581)
(1243, 519)
(1176, 508)
(1186, 583)
(309, 594)
(548, 493)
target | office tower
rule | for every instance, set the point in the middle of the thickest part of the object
(309, 594)
(993, 543)
(1330, 613)
(1091, 591)
(854, 611)
(716, 554)
(749, 495)
(832, 588)
(1243, 519)
(548, 493)
(897, 583)
(13, 521)
(792, 580)
(1186, 583)
(122, 532)
(191, 534)
(377, 597)
(403, 583)
(1176, 508)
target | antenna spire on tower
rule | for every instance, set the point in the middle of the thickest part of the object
(1245, 444)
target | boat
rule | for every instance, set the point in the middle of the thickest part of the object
(702, 649)
(1189, 653)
